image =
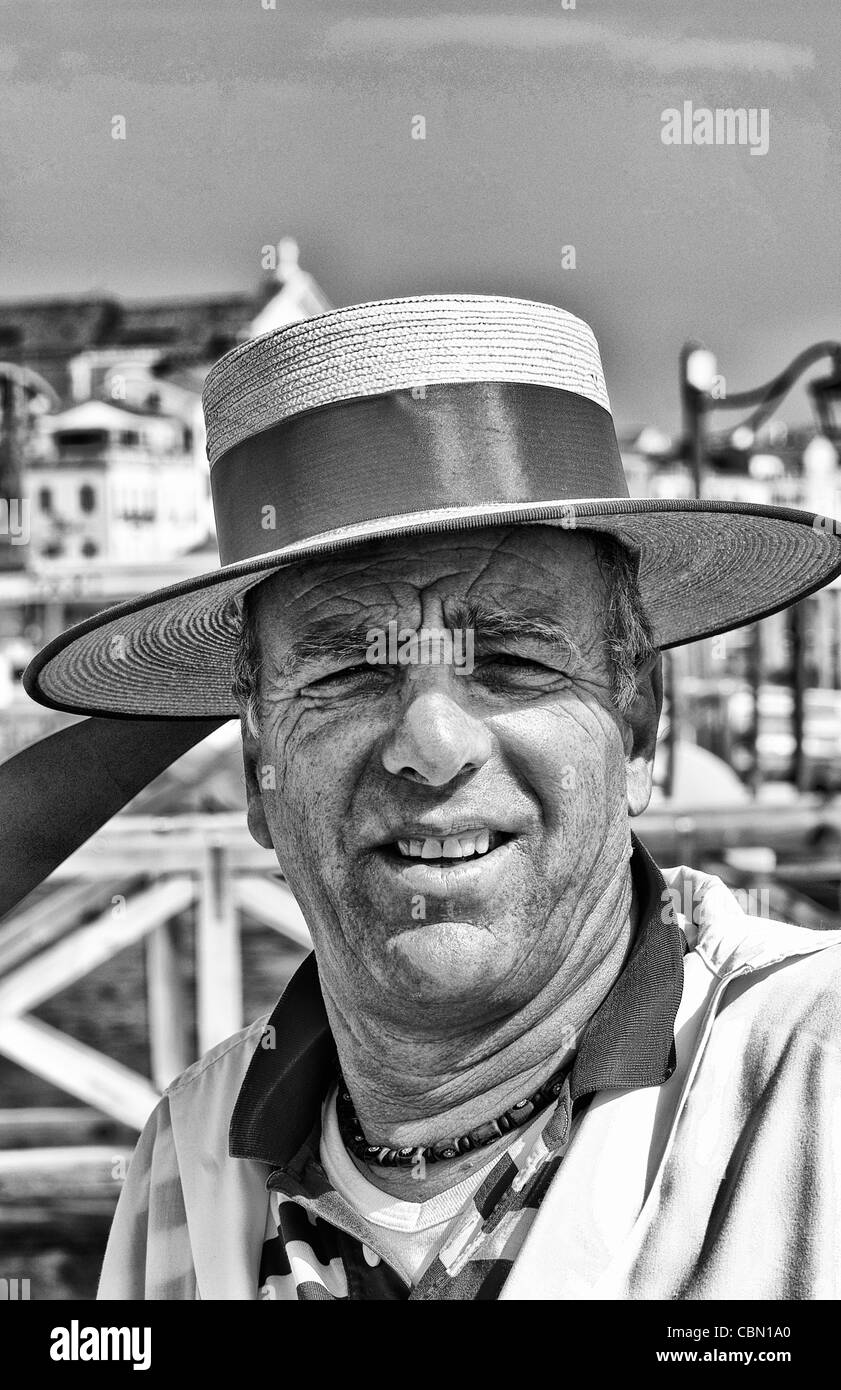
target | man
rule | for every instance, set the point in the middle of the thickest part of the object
(511, 1069)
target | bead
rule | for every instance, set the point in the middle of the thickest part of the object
(485, 1134)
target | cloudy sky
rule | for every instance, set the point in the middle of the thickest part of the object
(543, 131)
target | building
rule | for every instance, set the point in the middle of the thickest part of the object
(115, 483)
(74, 341)
(102, 439)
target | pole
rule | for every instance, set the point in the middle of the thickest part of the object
(798, 690)
(670, 693)
(12, 418)
(698, 444)
(755, 681)
(692, 409)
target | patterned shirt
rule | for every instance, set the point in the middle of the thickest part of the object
(318, 1247)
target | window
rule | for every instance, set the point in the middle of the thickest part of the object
(90, 548)
(81, 439)
(87, 498)
(45, 499)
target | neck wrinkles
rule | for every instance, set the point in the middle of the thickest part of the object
(413, 1089)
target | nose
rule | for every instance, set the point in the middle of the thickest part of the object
(436, 741)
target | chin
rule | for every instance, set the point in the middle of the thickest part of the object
(442, 962)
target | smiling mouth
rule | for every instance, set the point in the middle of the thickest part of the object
(446, 851)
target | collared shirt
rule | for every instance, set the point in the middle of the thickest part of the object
(318, 1247)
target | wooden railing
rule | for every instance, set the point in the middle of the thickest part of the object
(138, 875)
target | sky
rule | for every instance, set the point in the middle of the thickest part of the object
(543, 131)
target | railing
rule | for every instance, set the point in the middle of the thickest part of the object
(63, 1168)
(137, 875)
(795, 828)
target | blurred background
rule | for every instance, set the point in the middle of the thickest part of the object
(177, 179)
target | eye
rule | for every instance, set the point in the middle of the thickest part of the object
(515, 661)
(348, 680)
(510, 668)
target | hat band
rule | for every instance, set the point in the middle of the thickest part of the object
(431, 447)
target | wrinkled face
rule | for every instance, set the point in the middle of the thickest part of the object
(446, 809)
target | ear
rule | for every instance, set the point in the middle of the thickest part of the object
(641, 722)
(257, 823)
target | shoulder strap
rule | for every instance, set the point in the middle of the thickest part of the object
(57, 792)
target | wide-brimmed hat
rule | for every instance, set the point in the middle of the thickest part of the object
(410, 416)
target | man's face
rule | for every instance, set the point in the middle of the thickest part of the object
(446, 830)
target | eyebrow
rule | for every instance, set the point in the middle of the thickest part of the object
(489, 621)
(323, 642)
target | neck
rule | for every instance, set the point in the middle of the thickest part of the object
(412, 1089)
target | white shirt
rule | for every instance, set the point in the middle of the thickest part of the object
(410, 1233)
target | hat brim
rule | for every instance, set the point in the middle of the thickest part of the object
(705, 567)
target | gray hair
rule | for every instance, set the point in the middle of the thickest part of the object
(627, 634)
(627, 631)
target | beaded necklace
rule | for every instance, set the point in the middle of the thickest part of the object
(487, 1133)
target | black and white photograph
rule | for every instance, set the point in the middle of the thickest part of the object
(420, 670)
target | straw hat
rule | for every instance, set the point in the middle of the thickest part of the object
(443, 412)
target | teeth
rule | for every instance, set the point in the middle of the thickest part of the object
(451, 847)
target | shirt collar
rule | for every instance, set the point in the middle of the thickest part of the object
(629, 1041)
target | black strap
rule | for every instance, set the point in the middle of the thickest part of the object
(57, 792)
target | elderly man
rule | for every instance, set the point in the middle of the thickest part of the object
(511, 1068)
